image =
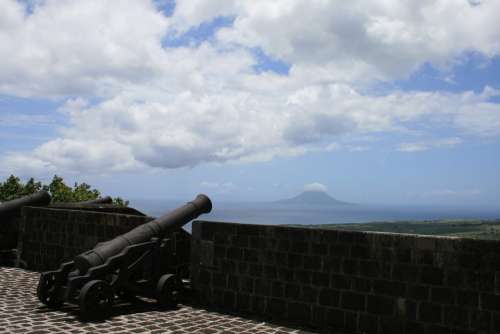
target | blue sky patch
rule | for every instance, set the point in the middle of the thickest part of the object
(472, 72)
(199, 34)
(167, 7)
(266, 62)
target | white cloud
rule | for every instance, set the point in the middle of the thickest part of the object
(188, 129)
(481, 119)
(315, 186)
(353, 40)
(134, 104)
(78, 47)
(429, 144)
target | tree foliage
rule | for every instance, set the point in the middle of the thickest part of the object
(13, 188)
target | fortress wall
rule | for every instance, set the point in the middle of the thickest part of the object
(360, 282)
(51, 236)
(9, 232)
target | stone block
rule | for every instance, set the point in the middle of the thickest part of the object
(370, 269)
(338, 281)
(285, 275)
(319, 249)
(219, 280)
(329, 297)
(277, 289)
(454, 278)
(339, 249)
(412, 327)
(239, 241)
(350, 266)
(309, 294)
(480, 320)
(379, 305)
(490, 301)
(299, 247)
(299, 312)
(318, 316)
(351, 321)
(389, 288)
(277, 308)
(255, 269)
(405, 272)
(391, 325)
(455, 316)
(303, 277)
(468, 298)
(250, 255)
(247, 284)
(431, 275)
(332, 264)
(368, 324)
(270, 272)
(429, 312)
(313, 263)
(361, 284)
(295, 261)
(292, 291)
(335, 319)
(353, 301)
(243, 302)
(320, 279)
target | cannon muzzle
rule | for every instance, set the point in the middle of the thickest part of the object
(154, 229)
(40, 198)
(101, 200)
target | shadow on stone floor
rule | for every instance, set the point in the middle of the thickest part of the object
(119, 309)
(276, 323)
(21, 312)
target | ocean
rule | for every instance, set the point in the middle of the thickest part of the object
(276, 214)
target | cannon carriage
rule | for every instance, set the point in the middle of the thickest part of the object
(133, 264)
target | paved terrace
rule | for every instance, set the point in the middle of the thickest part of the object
(20, 312)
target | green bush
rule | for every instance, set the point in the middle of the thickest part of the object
(13, 188)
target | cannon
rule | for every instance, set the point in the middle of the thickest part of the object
(10, 214)
(101, 200)
(13, 207)
(130, 265)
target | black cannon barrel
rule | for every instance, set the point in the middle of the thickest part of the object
(102, 200)
(40, 198)
(154, 229)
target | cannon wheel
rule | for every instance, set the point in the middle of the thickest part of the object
(168, 291)
(96, 299)
(46, 291)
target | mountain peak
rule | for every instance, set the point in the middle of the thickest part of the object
(313, 197)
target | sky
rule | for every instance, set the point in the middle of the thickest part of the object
(388, 102)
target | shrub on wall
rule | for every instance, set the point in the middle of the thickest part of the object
(13, 188)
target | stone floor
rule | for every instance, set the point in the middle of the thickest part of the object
(20, 312)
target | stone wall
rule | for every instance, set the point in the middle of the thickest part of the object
(352, 281)
(9, 233)
(50, 236)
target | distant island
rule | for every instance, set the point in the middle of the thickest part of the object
(313, 197)
(476, 229)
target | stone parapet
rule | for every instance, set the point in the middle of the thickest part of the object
(49, 236)
(376, 283)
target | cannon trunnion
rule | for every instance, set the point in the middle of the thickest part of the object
(133, 264)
